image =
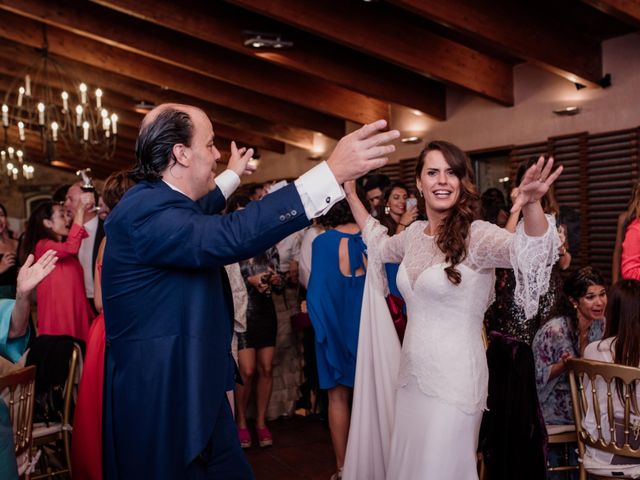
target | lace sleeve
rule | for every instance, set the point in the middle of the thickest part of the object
(387, 249)
(530, 257)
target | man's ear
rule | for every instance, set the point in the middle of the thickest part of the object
(182, 154)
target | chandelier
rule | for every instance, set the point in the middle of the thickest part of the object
(46, 109)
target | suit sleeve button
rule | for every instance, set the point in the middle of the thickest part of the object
(294, 213)
(282, 218)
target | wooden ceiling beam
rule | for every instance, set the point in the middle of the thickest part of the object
(17, 57)
(375, 31)
(222, 25)
(178, 50)
(520, 29)
(65, 44)
(627, 11)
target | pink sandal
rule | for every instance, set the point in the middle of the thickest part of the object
(245, 437)
(264, 437)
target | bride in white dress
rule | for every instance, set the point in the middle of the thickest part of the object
(417, 412)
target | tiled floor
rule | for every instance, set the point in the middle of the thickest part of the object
(301, 451)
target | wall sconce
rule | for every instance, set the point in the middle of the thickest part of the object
(411, 140)
(567, 111)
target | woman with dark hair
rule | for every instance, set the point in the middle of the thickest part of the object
(395, 214)
(505, 315)
(8, 250)
(446, 277)
(63, 308)
(334, 300)
(256, 345)
(620, 345)
(87, 422)
(566, 336)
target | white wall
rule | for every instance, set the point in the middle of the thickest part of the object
(474, 123)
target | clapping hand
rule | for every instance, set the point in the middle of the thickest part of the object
(361, 151)
(31, 274)
(8, 261)
(535, 183)
(239, 160)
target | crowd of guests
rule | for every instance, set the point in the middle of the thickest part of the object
(298, 305)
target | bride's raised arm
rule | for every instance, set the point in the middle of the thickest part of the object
(387, 249)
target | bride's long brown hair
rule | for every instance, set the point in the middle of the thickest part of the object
(451, 236)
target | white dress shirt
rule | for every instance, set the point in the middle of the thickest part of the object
(85, 254)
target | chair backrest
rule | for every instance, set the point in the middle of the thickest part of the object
(598, 407)
(73, 379)
(17, 389)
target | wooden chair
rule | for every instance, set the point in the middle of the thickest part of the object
(43, 434)
(564, 435)
(618, 433)
(17, 390)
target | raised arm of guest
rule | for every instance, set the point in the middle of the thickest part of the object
(29, 276)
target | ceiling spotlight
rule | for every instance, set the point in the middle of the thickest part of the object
(144, 107)
(567, 111)
(265, 40)
(411, 140)
(417, 113)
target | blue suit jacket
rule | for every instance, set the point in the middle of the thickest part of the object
(168, 328)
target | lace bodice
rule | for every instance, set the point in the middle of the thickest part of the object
(443, 349)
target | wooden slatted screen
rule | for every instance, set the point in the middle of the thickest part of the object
(612, 169)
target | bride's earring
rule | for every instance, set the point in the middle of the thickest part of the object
(421, 194)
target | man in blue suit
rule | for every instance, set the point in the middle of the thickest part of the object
(168, 322)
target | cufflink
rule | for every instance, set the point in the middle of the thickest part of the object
(327, 200)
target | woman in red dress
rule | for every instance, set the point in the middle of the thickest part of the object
(86, 453)
(63, 308)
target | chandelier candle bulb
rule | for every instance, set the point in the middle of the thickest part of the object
(54, 131)
(41, 113)
(114, 124)
(9, 168)
(15, 173)
(11, 151)
(21, 131)
(107, 127)
(65, 101)
(3, 155)
(20, 96)
(20, 155)
(27, 86)
(98, 98)
(78, 115)
(83, 93)
(85, 131)
(5, 115)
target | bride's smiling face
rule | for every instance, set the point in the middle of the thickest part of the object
(438, 183)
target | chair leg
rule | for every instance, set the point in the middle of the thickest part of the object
(67, 449)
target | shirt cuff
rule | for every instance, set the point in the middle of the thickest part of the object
(319, 190)
(228, 181)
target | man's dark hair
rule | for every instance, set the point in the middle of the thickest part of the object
(60, 195)
(154, 147)
(378, 180)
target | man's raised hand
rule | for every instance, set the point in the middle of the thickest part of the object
(239, 160)
(362, 151)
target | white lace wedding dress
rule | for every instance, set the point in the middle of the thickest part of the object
(417, 411)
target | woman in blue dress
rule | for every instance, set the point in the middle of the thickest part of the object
(334, 300)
